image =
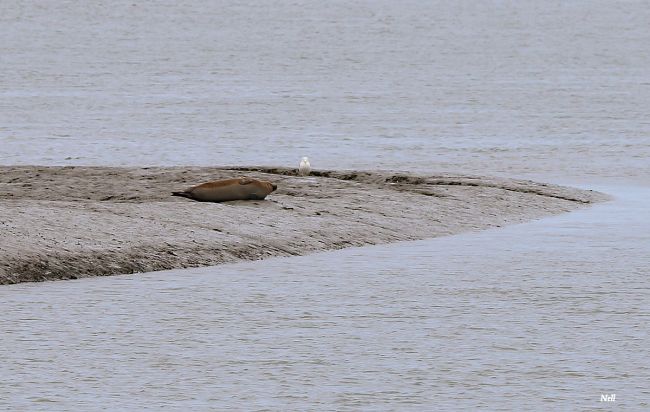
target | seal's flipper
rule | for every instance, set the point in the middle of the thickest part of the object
(245, 181)
(182, 194)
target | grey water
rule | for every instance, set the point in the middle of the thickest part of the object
(546, 315)
(532, 88)
(550, 314)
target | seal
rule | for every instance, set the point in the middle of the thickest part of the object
(243, 188)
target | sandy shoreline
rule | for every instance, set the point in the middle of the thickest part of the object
(70, 222)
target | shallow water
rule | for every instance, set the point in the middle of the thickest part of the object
(548, 90)
(545, 315)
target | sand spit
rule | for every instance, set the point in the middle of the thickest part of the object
(69, 222)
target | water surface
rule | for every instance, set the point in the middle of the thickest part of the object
(544, 90)
(544, 315)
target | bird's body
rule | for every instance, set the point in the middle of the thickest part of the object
(305, 168)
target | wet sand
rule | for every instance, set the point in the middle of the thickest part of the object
(71, 222)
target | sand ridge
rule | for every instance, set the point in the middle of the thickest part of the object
(70, 222)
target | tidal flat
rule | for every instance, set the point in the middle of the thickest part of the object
(72, 222)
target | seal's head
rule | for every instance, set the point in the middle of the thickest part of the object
(270, 187)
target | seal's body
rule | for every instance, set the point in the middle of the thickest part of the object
(243, 188)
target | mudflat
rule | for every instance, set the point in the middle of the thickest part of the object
(72, 222)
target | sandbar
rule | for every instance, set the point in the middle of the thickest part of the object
(72, 222)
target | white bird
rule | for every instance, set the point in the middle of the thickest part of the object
(305, 168)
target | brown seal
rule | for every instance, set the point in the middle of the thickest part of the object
(243, 188)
